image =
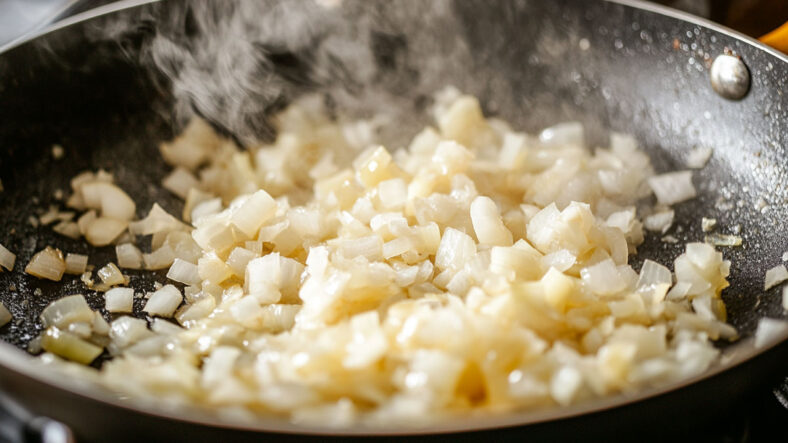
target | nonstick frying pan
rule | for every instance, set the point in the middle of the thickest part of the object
(101, 86)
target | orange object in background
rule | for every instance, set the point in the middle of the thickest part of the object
(777, 39)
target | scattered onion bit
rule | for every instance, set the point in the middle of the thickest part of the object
(5, 315)
(110, 275)
(775, 276)
(7, 259)
(47, 263)
(76, 263)
(69, 346)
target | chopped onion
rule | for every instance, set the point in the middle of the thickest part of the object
(99, 325)
(184, 272)
(775, 276)
(159, 259)
(255, 211)
(69, 346)
(111, 275)
(48, 264)
(785, 298)
(157, 220)
(5, 315)
(661, 221)
(653, 273)
(7, 258)
(67, 310)
(769, 330)
(110, 199)
(164, 302)
(455, 249)
(119, 300)
(194, 198)
(603, 278)
(708, 224)
(723, 240)
(562, 134)
(129, 256)
(76, 263)
(211, 268)
(206, 208)
(68, 229)
(85, 220)
(103, 230)
(238, 260)
(698, 157)
(125, 331)
(180, 181)
(673, 187)
(488, 224)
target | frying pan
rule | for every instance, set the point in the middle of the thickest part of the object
(96, 85)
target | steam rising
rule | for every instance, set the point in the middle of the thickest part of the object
(236, 62)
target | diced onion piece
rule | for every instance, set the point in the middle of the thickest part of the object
(180, 181)
(110, 199)
(255, 211)
(708, 224)
(164, 327)
(652, 274)
(238, 260)
(247, 311)
(68, 229)
(723, 240)
(64, 311)
(370, 247)
(129, 256)
(157, 220)
(111, 275)
(125, 331)
(184, 272)
(99, 325)
(159, 259)
(104, 230)
(85, 220)
(213, 269)
(661, 221)
(488, 224)
(785, 298)
(393, 193)
(205, 208)
(76, 263)
(119, 300)
(47, 263)
(164, 302)
(193, 198)
(569, 133)
(769, 330)
(775, 276)
(455, 249)
(201, 308)
(69, 346)
(698, 157)
(673, 187)
(7, 258)
(5, 315)
(603, 278)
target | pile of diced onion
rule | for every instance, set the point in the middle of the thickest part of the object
(333, 281)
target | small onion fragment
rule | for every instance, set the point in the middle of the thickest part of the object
(775, 276)
(129, 256)
(47, 263)
(119, 300)
(7, 258)
(76, 263)
(673, 187)
(184, 272)
(69, 346)
(5, 315)
(769, 330)
(64, 311)
(164, 302)
(111, 275)
(104, 230)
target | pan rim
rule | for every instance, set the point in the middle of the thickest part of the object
(16, 360)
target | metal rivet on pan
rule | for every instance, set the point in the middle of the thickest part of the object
(730, 77)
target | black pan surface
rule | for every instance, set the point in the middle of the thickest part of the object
(101, 90)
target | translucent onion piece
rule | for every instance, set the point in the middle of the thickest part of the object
(488, 224)
(255, 211)
(7, 258)
(5, 315)
(76, 263)
(770, 330)
(661, 221)
(68, 229)
(653, 273)
(159, 259)
(48, 264)
(157, 220)
(129, 256)
(125, 331)
(569, 133)
(67, 310)
(698, 157)
(119, 300)
(69, 346)
(180, 181)
(673, 187)
(111, 275)
(104, 230)
(184, 272)
(164, 302)
(110, 199)
(775, 276)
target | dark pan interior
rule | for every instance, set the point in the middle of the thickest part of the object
(95, 89)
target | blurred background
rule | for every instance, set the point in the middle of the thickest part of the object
(752, 17)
